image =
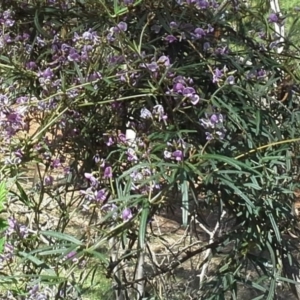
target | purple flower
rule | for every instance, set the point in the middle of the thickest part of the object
(178, 87)
(96, 158)
(153, 67)
(146, 113)
(110, 208)
(273, 18)
(167, 154)
(230, 80)
(159, 111)
(91, 179)
(55, 163)
(188, 92)
(206, 46)
(170, 38)
(122, 26)
(199, 33)
(131, 155)
(110, 141)
(212, 121)
(127, 214)
(261, 74)
(214, 125)
(47, 74)
(128, 2)
(194, 99)
(222, 51)
(88, 36)
(73, 55)
(107, 172)
(210, 29)
(48, 180)
(173, 25)
(164, 60)
(101, 195)
(31, 65)
(71, 256)
(178, 155)
(19, 153)
(156, 28)
(203, 4)
(217, 75)
(94, 76)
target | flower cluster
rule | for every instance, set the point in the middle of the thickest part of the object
(182, 87)
(214, 124)
(143, 180)
(175, 150)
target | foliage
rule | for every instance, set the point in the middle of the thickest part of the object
(126, 109)
(3, 223)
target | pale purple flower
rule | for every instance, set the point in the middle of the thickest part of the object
(188, 92)
(3, 100)
(110, 207)
(209, 136)
(47, 74)
(212, 121)
(110, 141)
(55, 163)
(160, 112)
(107, 172)
(48, 180)
(19, 153)
(199, 33)
(145, 113)
(178, 87)
(91, 178)
(122, 26)
(73, 55)
(230, 80)
(127, 214)
(261, 74)
(178, 155)
(221, 133)
(210, 29)
(96, 158)
(203, 4)
(156, 28)
(128, 2)
(167, 154)
(206, 46)
(214, 125)
(273, 18)
(101, 195)
(194, 99)
(173, 25)
(217, 75)
(153, 66)
(72, 256)
(131, 155)
(110, 37)
(164, 60)
(222, 50)
(170, 38)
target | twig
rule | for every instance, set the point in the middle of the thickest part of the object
(208, 251)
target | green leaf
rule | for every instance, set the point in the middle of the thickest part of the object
(143, 223)
(229, 161)
(238, 192)
(62, 237)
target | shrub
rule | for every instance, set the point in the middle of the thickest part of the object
(140, 106)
